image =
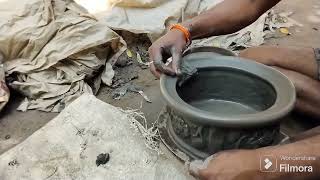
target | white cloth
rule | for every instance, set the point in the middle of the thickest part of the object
(153, 20)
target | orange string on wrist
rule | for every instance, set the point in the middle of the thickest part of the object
(184, 30)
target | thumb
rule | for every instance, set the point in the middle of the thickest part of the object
(194, 168)
(198, 167)
(176, 60)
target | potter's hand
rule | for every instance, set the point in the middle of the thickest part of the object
(170, 45)
(229, 165)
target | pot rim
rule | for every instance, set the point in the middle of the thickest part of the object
(285, 90)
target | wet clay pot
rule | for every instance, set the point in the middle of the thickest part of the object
(229, 103)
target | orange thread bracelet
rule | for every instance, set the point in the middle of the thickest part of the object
(184, 30)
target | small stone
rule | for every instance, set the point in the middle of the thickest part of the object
(7, 136)
(95, 133)
(285, 31)
(13, 163)
(102, 159)
(316, 29)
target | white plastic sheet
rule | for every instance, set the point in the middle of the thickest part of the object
(153, 21)
(137, 3)
(67, 148)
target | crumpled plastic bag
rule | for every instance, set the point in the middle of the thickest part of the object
(134, 19)
(137, 3)
(161, 17)
(4, 91)
(54, 50)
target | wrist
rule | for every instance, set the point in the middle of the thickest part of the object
(185, 32)
(188, 25)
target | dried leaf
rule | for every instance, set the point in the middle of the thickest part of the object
(139, 59)
(129, 53)
(284, 31)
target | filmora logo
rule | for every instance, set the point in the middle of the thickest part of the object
(268, 164)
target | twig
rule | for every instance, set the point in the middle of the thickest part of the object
(55, 170)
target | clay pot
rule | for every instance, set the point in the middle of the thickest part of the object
(228, 99)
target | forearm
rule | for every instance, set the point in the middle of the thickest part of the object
(228, 17)
(307, 134)
(308, 148)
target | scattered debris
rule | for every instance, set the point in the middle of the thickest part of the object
(138, 89)
(80, 131)
(145, 97)
(119, 92)
(128, 68)
(269, 25)
(150, 134)
(7, 137)
(83, 147)
(107, 75)
(102, 159)
(13, 163)
(125, 75)
(95, 132)
(139, 59)
(129, 87)
(279, 20)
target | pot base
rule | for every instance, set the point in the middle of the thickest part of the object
(181, 138)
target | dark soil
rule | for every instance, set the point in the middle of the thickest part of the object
(102, 159)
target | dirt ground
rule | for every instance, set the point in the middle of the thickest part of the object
(16, 126)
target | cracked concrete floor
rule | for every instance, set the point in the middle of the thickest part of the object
(16, 126)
